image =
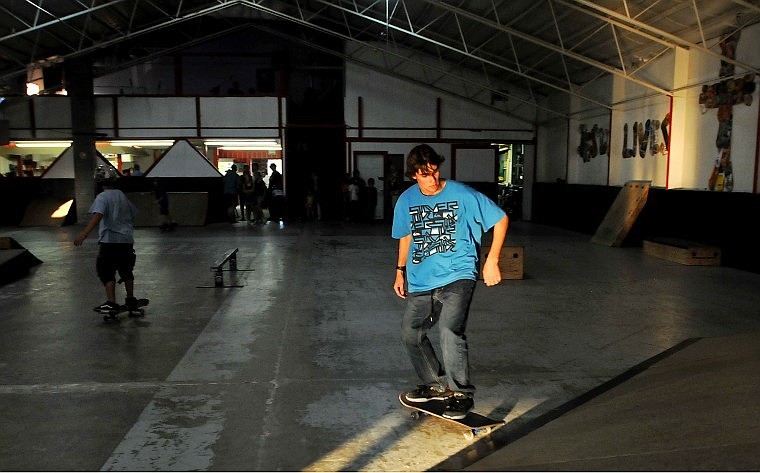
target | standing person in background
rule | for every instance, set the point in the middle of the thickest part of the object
(246, 194)
(259, 193)
(344, 184)
(277, 194)
(113, 214)
(370, 201)
(162, 198)
(439, 224)
(314, 186)
(231, 183)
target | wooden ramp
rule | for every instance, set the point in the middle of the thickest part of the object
(622, 214)
(49, 212)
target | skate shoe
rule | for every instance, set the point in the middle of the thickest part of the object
(131, 303)
(425, 393)
(107, 306)
(458, 405)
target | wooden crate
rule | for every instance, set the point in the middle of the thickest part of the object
(6, 243)
(510, 262)
(683, 251)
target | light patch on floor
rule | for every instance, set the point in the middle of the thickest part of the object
(394, 441)
(174, 433)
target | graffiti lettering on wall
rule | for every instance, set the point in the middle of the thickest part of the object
(651, 135)
(594, 142)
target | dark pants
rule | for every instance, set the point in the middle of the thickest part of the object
(113, 257)
(449, 307)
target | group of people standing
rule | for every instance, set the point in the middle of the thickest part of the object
(359, 198)
(252, 194)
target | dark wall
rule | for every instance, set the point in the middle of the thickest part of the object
(724, 219)
(315, 137)
(217, 212)
(16, 193)
(580, 208)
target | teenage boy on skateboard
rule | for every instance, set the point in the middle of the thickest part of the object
(113, 214)
(439, 223)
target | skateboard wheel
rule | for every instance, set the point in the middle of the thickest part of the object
(469, 435)
(415, 415)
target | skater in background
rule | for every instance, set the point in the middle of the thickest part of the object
(113, 214)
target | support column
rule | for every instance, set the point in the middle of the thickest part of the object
(683, 139)
(79, 85)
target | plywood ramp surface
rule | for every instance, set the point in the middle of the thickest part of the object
(622, 214)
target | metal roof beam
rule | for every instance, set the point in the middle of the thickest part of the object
(219, 5)
(648, 31)
(547, 45)
(473, 56)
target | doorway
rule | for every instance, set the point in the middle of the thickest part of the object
(387, 172)
(370, 166)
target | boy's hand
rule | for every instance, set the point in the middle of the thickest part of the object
(80, 239)
(398, 285)
(491, 273)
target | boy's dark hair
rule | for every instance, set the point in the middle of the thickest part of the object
(420, 157)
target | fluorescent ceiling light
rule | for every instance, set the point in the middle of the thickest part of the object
(142, 143)
(42, 144)
(32, 88)
(245, 145)
(252, 148)
(241, 143)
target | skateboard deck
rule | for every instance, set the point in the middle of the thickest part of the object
(625, 141)
(665, 128)
(644, 137)
(604, 141)
(113, 314)
(473, 424)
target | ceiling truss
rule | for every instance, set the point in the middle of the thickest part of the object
(506, 54)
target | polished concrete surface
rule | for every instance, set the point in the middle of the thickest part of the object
(601, 358)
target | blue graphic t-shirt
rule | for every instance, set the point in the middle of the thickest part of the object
(445, 230)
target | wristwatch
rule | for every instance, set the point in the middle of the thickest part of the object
(401, 268)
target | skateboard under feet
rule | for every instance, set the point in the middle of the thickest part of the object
(113, 314)
(474, 424)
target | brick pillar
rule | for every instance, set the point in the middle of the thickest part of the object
(79, 86)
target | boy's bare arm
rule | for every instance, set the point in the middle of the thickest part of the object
(403, 252)
(491, 271)
(94, 221)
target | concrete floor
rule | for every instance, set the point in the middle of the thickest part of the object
(300, 368)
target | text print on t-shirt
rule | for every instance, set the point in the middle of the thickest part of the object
(433, 229)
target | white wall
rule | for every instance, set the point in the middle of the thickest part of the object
(396, 115)
(693, 131)
(406, 110)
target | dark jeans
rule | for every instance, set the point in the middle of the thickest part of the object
(449, 306)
